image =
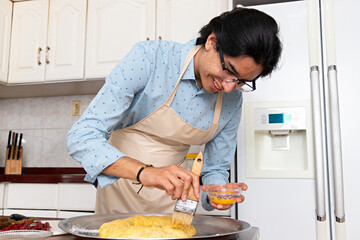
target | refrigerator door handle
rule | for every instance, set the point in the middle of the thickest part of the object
(316, 96)
(318, 141)
(321, 221)
(336, 144)
(334, 114)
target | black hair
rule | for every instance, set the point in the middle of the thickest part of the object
(246, 31)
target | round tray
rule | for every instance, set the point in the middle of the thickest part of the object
(24, 234)
(206, 226)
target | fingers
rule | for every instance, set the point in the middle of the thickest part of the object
(176, 181)
(243, 186)
(189, 180)
(226, 206)
(240, 199)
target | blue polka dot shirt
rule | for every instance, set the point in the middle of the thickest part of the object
(140, 83)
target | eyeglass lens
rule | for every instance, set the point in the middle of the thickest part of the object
(228, 76)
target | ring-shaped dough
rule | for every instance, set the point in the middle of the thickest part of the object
(141, 226)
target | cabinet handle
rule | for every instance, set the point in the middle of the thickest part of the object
(160, 37)
(47, 55)
(38, 56)
(147, 39)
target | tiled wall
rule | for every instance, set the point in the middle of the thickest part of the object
(44, 122)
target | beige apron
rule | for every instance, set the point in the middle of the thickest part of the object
(160, 139)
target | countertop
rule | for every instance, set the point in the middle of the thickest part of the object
(45, 175)
(251, 234)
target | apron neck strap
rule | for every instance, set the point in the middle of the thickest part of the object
(218, 108)
(188, 59)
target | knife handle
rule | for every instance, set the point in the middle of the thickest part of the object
(9, 145)
(12, 147)
(196, 168)
(15, 143)
(18, 217)
(18, 152)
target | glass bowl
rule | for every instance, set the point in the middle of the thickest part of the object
(223, 194)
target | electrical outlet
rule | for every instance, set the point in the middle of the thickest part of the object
(76, 108)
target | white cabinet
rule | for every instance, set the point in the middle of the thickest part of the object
(48, 36)
(79, 196)
(66, 40)
(30, 196)
(115, 25)
(1, 196)
(5, 29)
(47, 41)
(181, 20)
(47, 199)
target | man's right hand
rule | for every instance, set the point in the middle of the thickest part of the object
(176, 181)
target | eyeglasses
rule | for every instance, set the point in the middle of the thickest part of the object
(228, 76)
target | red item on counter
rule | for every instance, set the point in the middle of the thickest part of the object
(29, 226)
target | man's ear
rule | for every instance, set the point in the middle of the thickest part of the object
(210, 42)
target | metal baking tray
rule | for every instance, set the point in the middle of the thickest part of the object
(206, 226)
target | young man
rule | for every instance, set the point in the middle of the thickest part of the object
(162, 98)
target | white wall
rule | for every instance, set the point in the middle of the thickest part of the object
(44, 122)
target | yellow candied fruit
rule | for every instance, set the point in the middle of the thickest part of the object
(223, 201)
(224, 198)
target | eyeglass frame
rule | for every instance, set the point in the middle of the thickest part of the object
(238, 80)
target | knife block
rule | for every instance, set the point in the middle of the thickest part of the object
(13, 166)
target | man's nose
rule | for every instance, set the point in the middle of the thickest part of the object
(228, 86)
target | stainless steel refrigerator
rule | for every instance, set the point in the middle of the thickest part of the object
(298, 142)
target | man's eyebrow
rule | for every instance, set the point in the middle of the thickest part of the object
(233, 69)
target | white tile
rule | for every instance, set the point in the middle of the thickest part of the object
(44, 121)
(55, 112)
(11, 113)
(54, 148)
(32, 143)
(31, 112)
(3, 145)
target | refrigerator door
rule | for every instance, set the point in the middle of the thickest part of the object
(284, 201)
(291, 203)
(347, 38)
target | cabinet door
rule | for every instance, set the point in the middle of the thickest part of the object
(181, 20)
(2, 186)
(28, 39)
(65, 49)
(71, 197)
(30, 196)
(5, 27)
(113, 27)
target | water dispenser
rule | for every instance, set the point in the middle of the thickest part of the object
(279, 140)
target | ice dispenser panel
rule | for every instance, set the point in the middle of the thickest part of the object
(279, 140)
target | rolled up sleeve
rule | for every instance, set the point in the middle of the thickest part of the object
(87, 141)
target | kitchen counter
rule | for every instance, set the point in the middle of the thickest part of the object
(45, 175)
(252, 234)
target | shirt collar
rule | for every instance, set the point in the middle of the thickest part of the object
(190, 71)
